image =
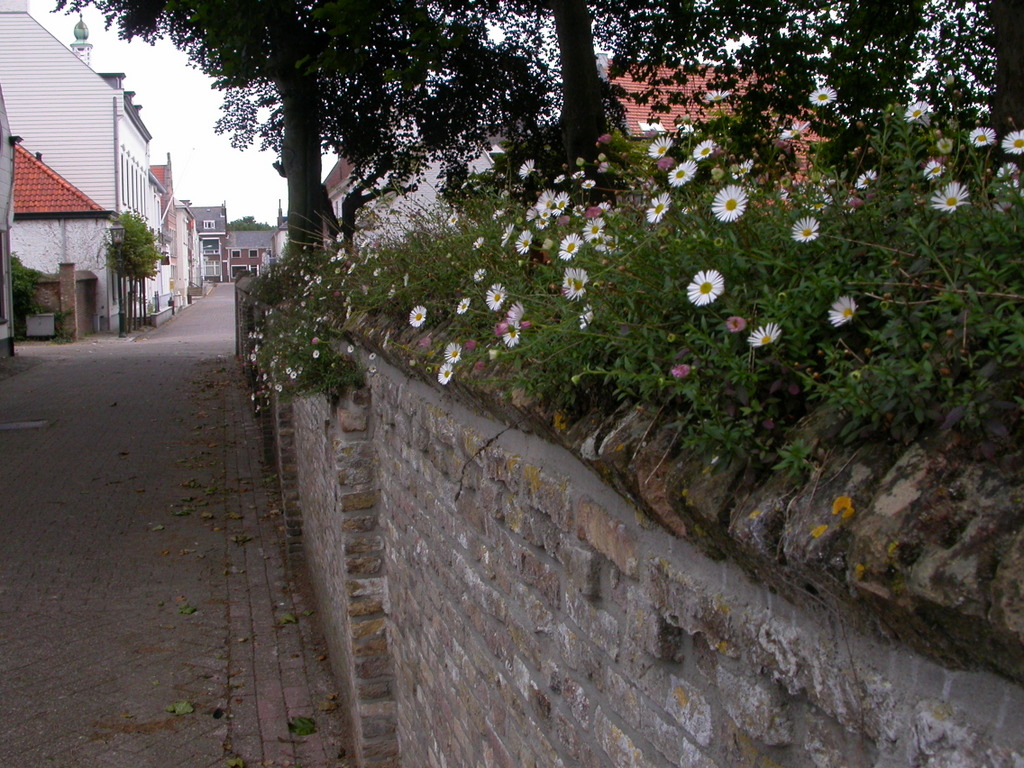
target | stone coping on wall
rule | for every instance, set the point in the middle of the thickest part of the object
(920, 543)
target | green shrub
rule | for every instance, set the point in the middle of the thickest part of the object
(732, 294)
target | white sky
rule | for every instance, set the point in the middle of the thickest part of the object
(180, 108)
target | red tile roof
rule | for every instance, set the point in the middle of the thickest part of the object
(40, 189)
(689, 94)
(160, 171)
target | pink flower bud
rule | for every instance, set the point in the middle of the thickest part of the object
(680, 371)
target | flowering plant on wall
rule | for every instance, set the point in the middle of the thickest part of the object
(731, 294)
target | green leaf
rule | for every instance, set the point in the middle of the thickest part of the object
(186, 609)
(235, 762)
(181, 708)
(302, 726)
(288, 618)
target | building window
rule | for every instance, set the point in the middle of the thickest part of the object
(254, 254)
(235, 253)
(211, 247)
(207, 224)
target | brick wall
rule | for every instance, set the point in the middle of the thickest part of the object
(491, 602)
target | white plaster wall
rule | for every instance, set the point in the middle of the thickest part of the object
(45, 245)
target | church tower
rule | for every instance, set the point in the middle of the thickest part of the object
(82, 47)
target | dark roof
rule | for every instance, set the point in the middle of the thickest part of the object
(251, 239)
(40, 189)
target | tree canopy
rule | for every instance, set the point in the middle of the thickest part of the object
(388, 84)
(248, 224)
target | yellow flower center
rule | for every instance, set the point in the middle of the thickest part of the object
(730, 205)
(951, 202)
(766, 340)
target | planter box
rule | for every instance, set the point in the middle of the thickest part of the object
(41, 325)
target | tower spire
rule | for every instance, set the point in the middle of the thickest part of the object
(82, 47)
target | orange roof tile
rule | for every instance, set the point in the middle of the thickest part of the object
(690, 107)
(40, 189)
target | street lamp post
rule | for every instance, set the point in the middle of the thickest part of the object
(116, 241)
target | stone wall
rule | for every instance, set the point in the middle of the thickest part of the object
(491, 601)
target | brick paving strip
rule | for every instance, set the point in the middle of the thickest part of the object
(142, 564)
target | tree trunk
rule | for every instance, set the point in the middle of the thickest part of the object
(582, 111)
(301, 158)
(1007, 17)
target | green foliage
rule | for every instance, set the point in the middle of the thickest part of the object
(295, 349)
(886, 294)
(249, 224)
(24, 280)
(136, 256)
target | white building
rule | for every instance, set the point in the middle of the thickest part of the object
(6, 219)
(84, 125)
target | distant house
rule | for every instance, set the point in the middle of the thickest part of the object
(86, 126)
(56, 223)
(6, 220)
(250, 251)
(389, 210)
(212, 230)
(178, 238)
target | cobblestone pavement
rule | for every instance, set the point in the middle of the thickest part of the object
(148, 616)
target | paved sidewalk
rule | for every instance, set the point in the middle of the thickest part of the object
(147, 616)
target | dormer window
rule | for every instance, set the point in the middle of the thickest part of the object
(207, 224)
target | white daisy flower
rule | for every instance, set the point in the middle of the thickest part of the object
(515, 313)
(478, 244)
(805, 230)
(1013, 143)
(822, 96)
(594, 230)
(453, 353)
(982, 137)
(524, 241)
(919, 112)
(444, 374)
(765, 335)
(495, 297)
(589, 184)
(586, 317)
(507, 233)
(706, 287)
(659, 147)
(704, 150)
(682, 173)
(795, 131)
(462, 307)
(479, 275)
(574, 283)
(716, 97)
(569, 246)
(526, 169)
(418, 316)
(933, 169)
(730, 203)
(453, 220)
(511, 336)
(842, 311)
(944, 145)
(950, 197)
(659, 206)
(865, 179)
